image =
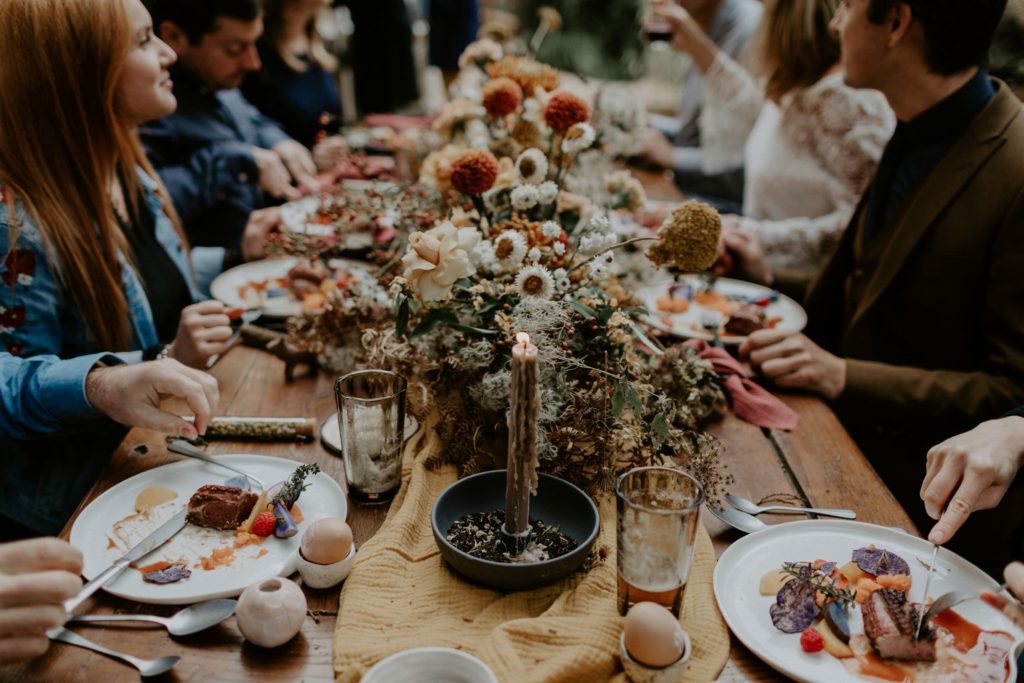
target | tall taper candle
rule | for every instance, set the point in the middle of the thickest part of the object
(522, 436)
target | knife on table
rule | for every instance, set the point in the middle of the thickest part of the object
(163, 533)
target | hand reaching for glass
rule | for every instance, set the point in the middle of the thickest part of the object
(36, 577)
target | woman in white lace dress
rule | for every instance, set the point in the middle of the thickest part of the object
(809, 144)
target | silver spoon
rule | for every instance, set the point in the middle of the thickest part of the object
(198, 617)
(182, 447)
(146, 667)
(752, 508)
(738, 520)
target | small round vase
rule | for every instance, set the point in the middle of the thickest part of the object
(271, 612)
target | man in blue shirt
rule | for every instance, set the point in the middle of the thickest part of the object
(218, 156)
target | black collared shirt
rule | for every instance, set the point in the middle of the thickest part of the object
(918, 146)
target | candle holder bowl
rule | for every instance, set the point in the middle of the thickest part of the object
(557, 503)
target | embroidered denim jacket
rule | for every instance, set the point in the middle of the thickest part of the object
(45, 355)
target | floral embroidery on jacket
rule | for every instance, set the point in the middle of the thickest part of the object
(20, 267)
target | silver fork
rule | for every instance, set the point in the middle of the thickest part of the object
(952, 599)
(182, 447)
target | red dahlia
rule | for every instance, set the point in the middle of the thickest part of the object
(474, 172)
(502, 96)
(565, 110)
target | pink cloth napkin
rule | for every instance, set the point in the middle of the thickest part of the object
(750, 401)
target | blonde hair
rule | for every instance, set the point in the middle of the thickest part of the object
(794, 46)
(60, 66)
(273, 33)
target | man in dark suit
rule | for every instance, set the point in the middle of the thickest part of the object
(917, 320)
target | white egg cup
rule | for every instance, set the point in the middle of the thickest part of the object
(641, 673)
(325, 575)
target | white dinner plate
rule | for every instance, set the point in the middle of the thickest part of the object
(690, 323)
(295, 216)
(330, 431)
(740, 568)
(235, 287)
(94, 531)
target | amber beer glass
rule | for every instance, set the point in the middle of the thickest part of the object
(658, 512)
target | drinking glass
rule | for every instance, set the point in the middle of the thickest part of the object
(658, 512)
(371, 418)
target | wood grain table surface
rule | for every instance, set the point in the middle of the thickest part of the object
(818, 461)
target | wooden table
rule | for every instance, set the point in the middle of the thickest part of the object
(818, 461)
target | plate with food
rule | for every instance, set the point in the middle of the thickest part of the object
(729, 309)
(840, 601)
(232, 538)
(284, 287)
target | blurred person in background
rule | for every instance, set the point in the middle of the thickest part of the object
(220, 158)
(677, 143)
(382, 59)
(298, 84)
(809, 144)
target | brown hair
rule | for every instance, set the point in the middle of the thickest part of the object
(273, 34)
(794, 45)
(60, 66)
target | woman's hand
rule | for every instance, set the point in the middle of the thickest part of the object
(203, 332)
(687, 34)
(36, 577)
(328, 152)
(132, 395)
(261, 223)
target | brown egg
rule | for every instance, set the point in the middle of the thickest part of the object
(326, 541)
(653, 637)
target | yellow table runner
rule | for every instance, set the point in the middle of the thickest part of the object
(401, 595)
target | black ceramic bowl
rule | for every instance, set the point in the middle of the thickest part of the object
(557, 503)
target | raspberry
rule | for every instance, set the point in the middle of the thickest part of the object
(265, 523)
(811, 640)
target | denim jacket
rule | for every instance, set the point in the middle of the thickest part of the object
(45, 356)
(203, 153)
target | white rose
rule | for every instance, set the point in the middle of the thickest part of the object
(437, 258)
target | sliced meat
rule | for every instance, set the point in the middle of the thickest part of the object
(745, 320)
(890, 622)
(220, 507)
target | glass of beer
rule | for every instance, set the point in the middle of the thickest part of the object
(658, 512)
(371, 417)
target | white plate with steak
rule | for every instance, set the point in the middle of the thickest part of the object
(733, 307)
(838, 601)
(215, 559)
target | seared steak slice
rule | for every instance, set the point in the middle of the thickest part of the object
(220, 507)
(890, 622)
(746, 320)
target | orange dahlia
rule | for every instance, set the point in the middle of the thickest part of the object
(502, 96)
(474, 172)
(565, 110)
(528, 73)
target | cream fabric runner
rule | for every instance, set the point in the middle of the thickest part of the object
(402, 595)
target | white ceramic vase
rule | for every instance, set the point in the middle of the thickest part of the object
(271, 612)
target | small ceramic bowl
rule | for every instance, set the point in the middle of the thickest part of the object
(430, 664)
(325, 575)
(641, 673)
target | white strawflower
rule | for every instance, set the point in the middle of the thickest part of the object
(559, 248)
(551, 229)
(562, 281)
(483, 253)
(535, 281)
(599, 223)
(600, 267)
(532, 166)
(510, 249)
(524, 197)
(594, 242)
(531, 110)
(547, 192)
(534, 254)
(579, 137)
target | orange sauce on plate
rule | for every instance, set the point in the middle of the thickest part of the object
(155, 567)
(965, 633)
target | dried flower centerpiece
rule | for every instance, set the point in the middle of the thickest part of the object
(518, 253)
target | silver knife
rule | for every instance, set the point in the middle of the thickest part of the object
(927, 586)
(163, 533)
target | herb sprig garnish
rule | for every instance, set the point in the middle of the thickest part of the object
(805, 572)
(294, 487)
